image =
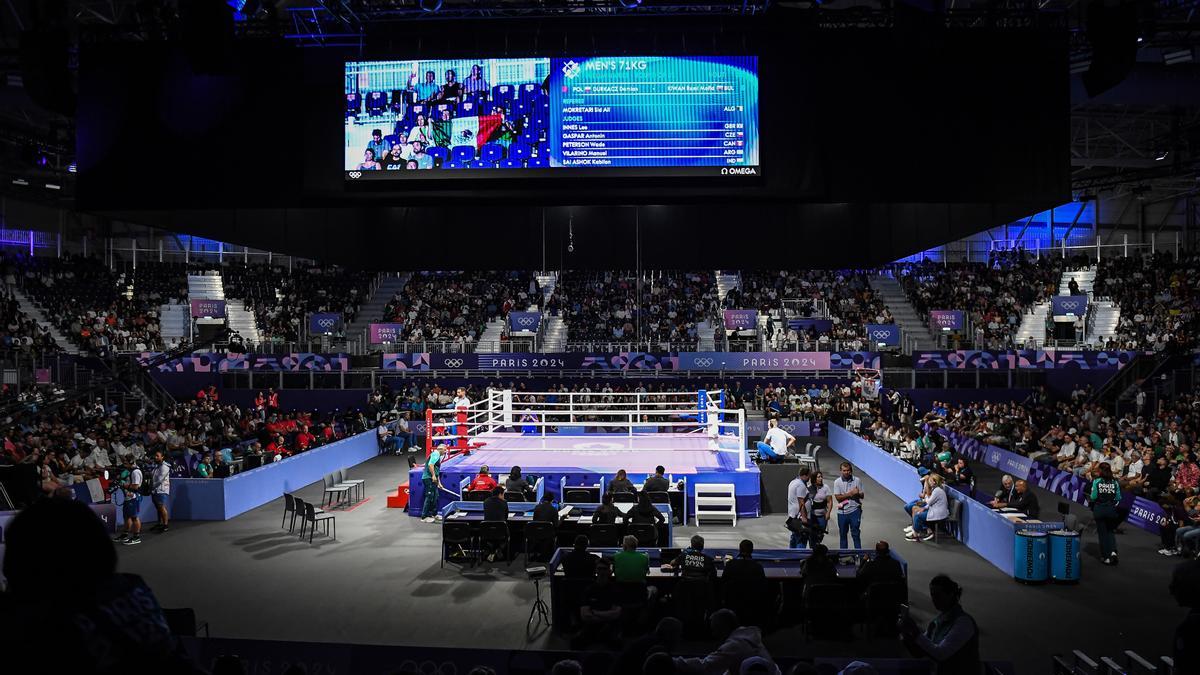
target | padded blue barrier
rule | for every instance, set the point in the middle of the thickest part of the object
(984, 531)
(253, 488)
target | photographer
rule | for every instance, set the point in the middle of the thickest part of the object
(130, 483)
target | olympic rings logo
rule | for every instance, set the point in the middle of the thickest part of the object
(454, 363)
(326, 323)
(525, 321)
(356, 174)
(1069, 304)
(704, 362)
(881, 334)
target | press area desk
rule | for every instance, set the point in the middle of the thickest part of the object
(782, 568)
(577, 521)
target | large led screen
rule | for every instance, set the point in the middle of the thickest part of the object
(637, 116)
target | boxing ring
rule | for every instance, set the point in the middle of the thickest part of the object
(577, 442)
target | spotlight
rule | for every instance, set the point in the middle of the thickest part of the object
(53, 186)
(430, 5)
(20, 181)
(72, 168)
(1177, 56)
(1158, 157)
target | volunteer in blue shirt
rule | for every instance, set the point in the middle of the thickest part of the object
(431, 481)
(1105, 496)
(848, 493)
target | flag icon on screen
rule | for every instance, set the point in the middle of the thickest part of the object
(586, 89)
(740, 142)
(740, 134)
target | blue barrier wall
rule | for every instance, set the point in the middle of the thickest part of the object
(983, 531)
(253, 488)
(896, 476)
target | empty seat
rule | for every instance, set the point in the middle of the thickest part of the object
(491, 152)
(462, 154)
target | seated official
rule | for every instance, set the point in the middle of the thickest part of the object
(644, 512)
(693, 562)
(1008, 490)
(579, 563)
(483, 481)
(517, 483)
(620, 484)
(658, 482)
(819, 568)
(952, 638)
(744, 585)
(545, 511)
(1025, 501)
(494, 507)
(882, 568)
(599, 611)
(630, 566)
(606, 513)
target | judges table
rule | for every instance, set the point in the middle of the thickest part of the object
(577, 520)
(782, 567)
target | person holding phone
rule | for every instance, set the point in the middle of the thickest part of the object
(951, 640)
(848, 493)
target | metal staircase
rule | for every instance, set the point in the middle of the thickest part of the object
(371, 310)
(727, 281)
(1033, 325)
(555, 338)
(489, 340)
(32, 311)
(911, 326)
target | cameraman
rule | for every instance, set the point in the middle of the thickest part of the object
(130, 483)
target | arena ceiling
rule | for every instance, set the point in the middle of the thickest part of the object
(1137, 141)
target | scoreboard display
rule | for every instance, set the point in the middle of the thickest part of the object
(636, 116)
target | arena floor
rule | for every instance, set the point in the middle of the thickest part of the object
(381, 583)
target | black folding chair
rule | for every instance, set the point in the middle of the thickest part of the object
(493, 535)
(624, 498)
(511, 496)
(659, 497)
(603, 534)
(646, 533)
(289, 506)
(457, 541)
(476, 495)
(578, 497)
(539, 539)
(312, 518)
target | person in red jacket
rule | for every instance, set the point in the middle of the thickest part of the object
(304, 440)
(278, 447)
(483, 481)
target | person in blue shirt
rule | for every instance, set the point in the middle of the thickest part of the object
(1105, 495)
(426, 90)
(431, 481)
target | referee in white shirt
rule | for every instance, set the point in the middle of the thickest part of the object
(778, 439)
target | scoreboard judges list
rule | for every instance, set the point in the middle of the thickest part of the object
(656, 112)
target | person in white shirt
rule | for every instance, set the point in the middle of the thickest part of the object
(161, 494)
(797, 505)
(131, 485)
(778, 439)
(460, 399)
